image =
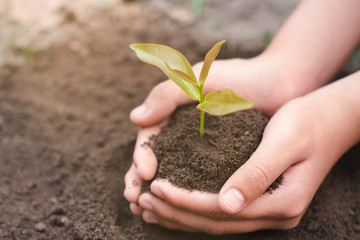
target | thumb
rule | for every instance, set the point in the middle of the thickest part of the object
(160, 103)
(253, 178)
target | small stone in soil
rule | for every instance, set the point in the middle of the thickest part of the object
(85, 201)
(59, 221)
(64, 220)
(58, 211)
(101, 143)
(53, 200)
(40, 227)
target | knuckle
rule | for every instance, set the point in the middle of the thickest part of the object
(291, 135)
(128, 196)
(128, 178)
(173, 219)
(295, 210)
(259, 180)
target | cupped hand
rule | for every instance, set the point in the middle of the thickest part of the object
(257, 79)
(303, 140)
(175, 208)
(287, 147)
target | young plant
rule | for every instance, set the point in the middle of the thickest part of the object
(178, 69)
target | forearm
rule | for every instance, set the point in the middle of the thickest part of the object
(342, 99)
(315, 41)
(336, 110)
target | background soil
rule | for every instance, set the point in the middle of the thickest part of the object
(66, 89)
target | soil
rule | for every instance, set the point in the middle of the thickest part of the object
(206, 163)
(66, 140)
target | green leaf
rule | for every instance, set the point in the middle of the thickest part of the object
(209, 59)
(183, 75)
(172, 63)
(224, 102)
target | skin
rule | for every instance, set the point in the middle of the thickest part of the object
(311, 126)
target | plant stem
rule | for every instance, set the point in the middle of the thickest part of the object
(202, 116)
(202, 113)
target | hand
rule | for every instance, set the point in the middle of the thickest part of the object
(299, 141)
(297, 61)
(258, 79)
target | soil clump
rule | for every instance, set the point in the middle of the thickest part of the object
(205, 164)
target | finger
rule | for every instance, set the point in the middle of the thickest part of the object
(150, 217)
(132, 185)
(167, 216)
(277, 205)
(136, 209)
(163, 213)
(201, 203)
(143, 157)
(279, 149)
(161, 102)
(288, 201)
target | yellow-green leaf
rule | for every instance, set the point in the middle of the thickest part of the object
(184, 76)
(171, 62)
(224, 102)
(209, 59)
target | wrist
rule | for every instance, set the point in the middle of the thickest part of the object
(282, 82)
(292, 80)
(334, 109)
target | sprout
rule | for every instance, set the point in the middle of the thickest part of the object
(178, 69)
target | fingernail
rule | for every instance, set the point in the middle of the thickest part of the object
(139, 111)
(158, 193)
(146, 205)
(233, 200)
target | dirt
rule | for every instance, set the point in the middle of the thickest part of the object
(206, 163)
(66, 140)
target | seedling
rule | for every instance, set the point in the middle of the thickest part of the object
(178, 69)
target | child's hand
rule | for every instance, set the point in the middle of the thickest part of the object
(303, 139)
(265, 84)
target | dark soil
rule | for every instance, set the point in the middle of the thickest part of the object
(66, 142)
(205, 164)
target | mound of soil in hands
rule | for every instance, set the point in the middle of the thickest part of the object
(205, 164)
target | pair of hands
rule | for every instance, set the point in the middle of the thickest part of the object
(298, 142)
